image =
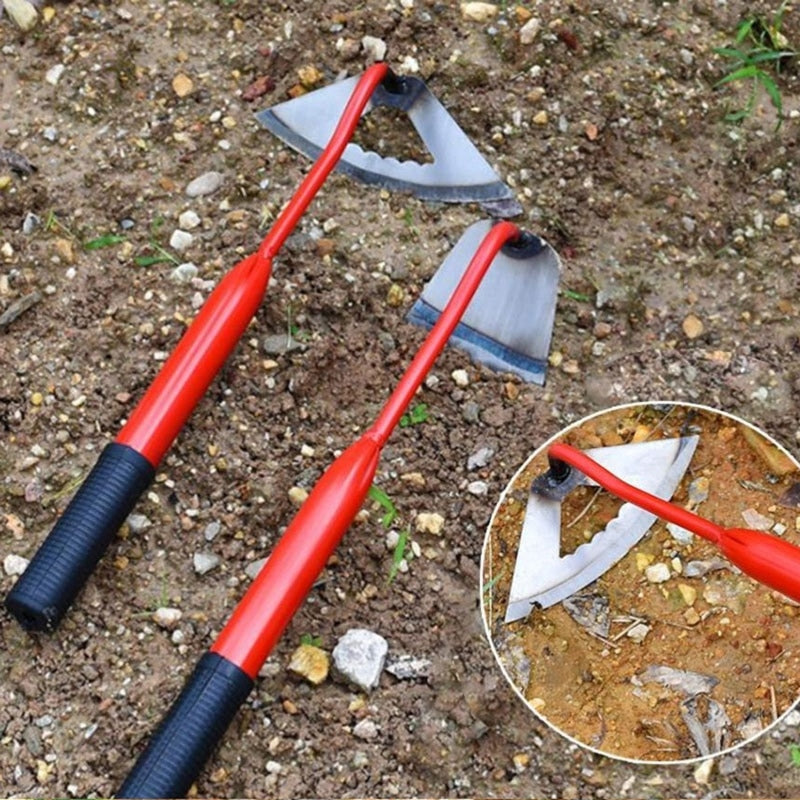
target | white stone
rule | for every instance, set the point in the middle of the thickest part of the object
(53, 75)
(358, 658)
(365, 729)
(167, 618)
(429, 523)
(184, 273)
(188, 220)
(460, 378)
(657, 573)
(638, 632)
(180, 240)
(478, 12)
(374, 47)
(478, 488)
(204, 184)
(529, 31)
(14, 564)
(205, 562)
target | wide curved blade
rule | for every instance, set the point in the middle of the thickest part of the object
(458, 172)
(541, 576)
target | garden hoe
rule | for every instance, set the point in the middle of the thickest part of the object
(642, 475)
(126, 467)
(224, 676)
(457, 174)
(542, 577)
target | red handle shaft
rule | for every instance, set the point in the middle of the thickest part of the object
(209, 340)
(766, 558)
(278, 590)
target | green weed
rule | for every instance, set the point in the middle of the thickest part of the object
(402, 552)
(314, 641)
(760, 50)
(385, 502)
(415, 416)
(109, 240)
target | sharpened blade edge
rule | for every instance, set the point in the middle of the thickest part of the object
(483, 348)
(478, 193)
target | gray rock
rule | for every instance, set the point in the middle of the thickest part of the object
(180, 240)
(680, 535)
(409, 668)
(138, 523)
(30, 223)
(480, 458)
(254, 567)
(50, 133)
(278, 343)
(204, 184)
(188, 220)
(478, 488)
(365, 729)
(184, 273)
(205, 562)
(211, 531)
(358, 658)
(33, 740)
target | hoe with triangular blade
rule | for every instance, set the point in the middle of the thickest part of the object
(458, 173)
(542, 577)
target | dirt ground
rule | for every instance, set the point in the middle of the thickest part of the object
(593, 680)
(609, 127)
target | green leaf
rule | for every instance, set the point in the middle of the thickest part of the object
(731, 52)
(417, 415)
(773, 91)
(750, 71)
(794, 752)
(109, 240)
(744, 29)
(771, 55)
(398, 555)
(579, 296)
(314, 641)
(148, 261)
(385, 502)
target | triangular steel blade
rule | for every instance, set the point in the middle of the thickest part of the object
(542, 577)
(509, 323)
(458, 173)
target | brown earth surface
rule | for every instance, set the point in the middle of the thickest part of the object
(609, 127)
(595, 685)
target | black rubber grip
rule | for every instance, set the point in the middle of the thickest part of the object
(191, 730)
(66, 558)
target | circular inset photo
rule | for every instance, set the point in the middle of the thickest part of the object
(641, 582)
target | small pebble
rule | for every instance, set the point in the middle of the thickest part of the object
(680, 535)
(478, 12)
(211, 531)
(460, 378)
(138, 523)
(541, 118)
(180, 240)
(688, 593)
(359, 657)
(529, 31)
(167, 618)
(30, 223)
(14, 564)
(374, 48)
(182, 85)
(365, 729)
(429, 523)
(407, 668)
(311, 663)
(204, 184)
(205, 562)
(307, 451)
(692, 326)
(184, 273)
(638, 632)
(254, 567)
(53, 75)
(480, 458)
(782, 221)
(702, 773)
(755, 521)
(188, 220)
(657, 573)
(298, 495)
(478, 488)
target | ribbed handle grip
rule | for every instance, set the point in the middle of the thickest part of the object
(66, 558)
(190, 731)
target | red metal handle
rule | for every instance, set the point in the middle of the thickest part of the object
(770, 560)
(206, 345)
